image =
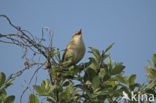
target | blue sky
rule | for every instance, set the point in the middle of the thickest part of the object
(130, 24)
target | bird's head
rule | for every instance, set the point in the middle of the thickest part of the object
(77, 35)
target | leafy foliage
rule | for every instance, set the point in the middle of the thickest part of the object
(97, 81)
(33, 99)
(3, 86)
(151, 74)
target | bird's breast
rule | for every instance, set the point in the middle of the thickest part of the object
(76, 50)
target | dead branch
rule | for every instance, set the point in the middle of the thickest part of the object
(26, 40)
(19, 73)
(23, 37)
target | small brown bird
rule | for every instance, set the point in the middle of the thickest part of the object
(75, 49)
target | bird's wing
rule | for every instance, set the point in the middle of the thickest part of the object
(69, 46)
(63, 58)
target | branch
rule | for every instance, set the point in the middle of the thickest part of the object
(19, 73)
(29, 83)
(25, 37)
(25, 40)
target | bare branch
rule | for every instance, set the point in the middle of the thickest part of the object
(17, 74)
(10, 22)
(25, 37)
(34, 45)
(29, 83)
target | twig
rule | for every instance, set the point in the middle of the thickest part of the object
(17, 74)
(29, 83)
(26, 37)
(27, 41)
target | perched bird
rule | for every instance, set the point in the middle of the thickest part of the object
(75, 49)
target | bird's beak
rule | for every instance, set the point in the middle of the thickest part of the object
(79, 32)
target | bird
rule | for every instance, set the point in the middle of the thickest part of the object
(75, 49)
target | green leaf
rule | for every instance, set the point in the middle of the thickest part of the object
(1, 101)
(154, 59)
(51, 99)
(9, 83)
(117, 68)
(66, 83)
(38, 89)
(151, 73)
(10, 99)
(96, 54)
(132, 87)
(107, 91)
(96, 82)
(121, 79)
(47, 84)
(109, 60)
(2, 78)
(45, 89)
(93, 66)
(65, 93)
(109, 47)
(58, 54)
(112, 83)
(88, 82)
(102, 72)
(3, 94)
(89, 74)
(41, 91)
(149, 86)
(67, 61)
(53, 51)
(131, 79)
(150, 63)
(33, 99)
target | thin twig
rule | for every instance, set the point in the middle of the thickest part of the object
(24, 39)
(17, 74)
(29, 83)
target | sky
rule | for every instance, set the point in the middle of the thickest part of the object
(129, 23)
